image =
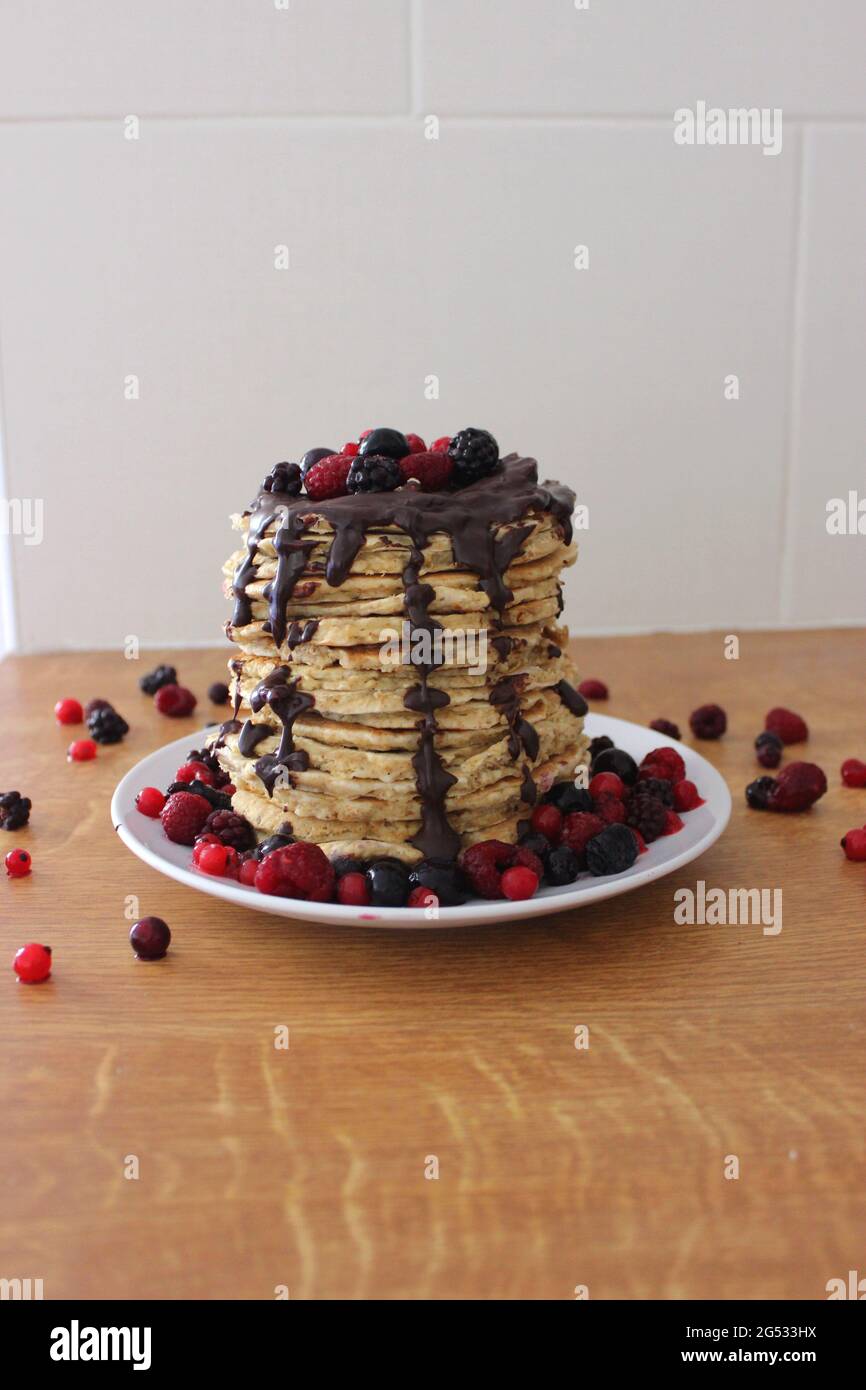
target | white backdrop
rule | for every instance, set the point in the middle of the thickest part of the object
(153, 157)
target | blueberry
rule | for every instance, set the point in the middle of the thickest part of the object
(567, 798)
(343, 865)
(272, 842)
(389, 443)
(561, 866)
(618, 761)
(314, 456)
(759, 793)
(611, 851)
(388, 882)
(442, 878)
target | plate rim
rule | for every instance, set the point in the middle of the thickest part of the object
(547, 902)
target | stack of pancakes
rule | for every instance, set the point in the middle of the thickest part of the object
(404, 703)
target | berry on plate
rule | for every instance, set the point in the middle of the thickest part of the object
(300, 870)
(353, 890)
(183, 817)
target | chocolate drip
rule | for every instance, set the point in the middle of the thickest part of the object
(503, 646)
(281, 692)
(251, 736)
(553, 651)
(230, 726)
(506, 698)
(574, 703)
(528, 789)
(292, 555)
(297, 635)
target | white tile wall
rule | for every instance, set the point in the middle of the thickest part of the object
(411, 257)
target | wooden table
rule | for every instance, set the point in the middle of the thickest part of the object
(305, 1167)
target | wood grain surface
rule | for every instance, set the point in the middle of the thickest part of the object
(305, 1167)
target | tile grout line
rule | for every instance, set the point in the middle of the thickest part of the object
(795, 381)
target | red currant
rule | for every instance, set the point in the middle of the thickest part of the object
(32, 963)
(17, 863)
(441, 445)
(221, 861)
(150, 801)
(422, 897)
(81, 751)
(519, 883)
(547, 821)
(68, 712)
(353, 890)
(416, 444)
(350, 450)
(854, 773)
(201, 845)
(247, 872)
(854, 844)
(606, 784)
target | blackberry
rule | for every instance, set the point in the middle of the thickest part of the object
(561, 866)
(442, 878)
(475, 454)
(618, 761)
(93, 705)
(156, 679)
(107, 726)
(218, 693)
(768, 747)
(388, 882)
(277, 841)
(343, 865)
(218, 800)
(599, 745)
(386, 443)
(314, 456)
(664, 726)
(611, 851)
(373, 473)
(647, 813)
(231, 829)
(759, 793)
(14, 810)
(283, 477)
(658, 786)
(566, 797)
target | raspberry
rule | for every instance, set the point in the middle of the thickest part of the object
(593, 690)
(547, 821)
(425, 897)
(481, 864)
(416, 444)
(519, 883)
(327, 478)
(183, 817)
(853, 773)
(663, 762)
(611, 852)
(150, 801)
(609, 808)
(149, 938)
(431, 470)
(195, 772)
(68, 712)
(175, 701)
(853, 843)
(672, 823)
(475, 454)
(441, 445)
(768, 749)
(157, 678)
(606, 783)
(352, 891)
(686, 796)
(218, 693)
(708, 721)
(664, 726)
(788, 725)
(32, 963)
(578, 829)
(107, 726)
(18, 863)
(14, 810)
(230, 829)
(81, 751)
(641, 843)
(798, 786)
(374, 473)
(300, 870)
(221, 861)
(647, 814)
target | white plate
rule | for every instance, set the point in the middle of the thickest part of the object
(700, 829)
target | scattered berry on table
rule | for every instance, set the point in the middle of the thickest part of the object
(708, 721)
(107, 726)
(68, 711)
(660, 787)
(14, 810)
(758, 793)
(443, 879)
(373, 473)
(353, 890)
(314, 456)
(519, 883)
(648, 814)
(300, 870)
(150, 938)
(218, 693)
(686, 796)
(475, 454)
(566, 797)
(183, 817)
(283, 477)
(93, 705)
(853, 773)
(790, 727)
(617, 761)
(665, 726)
(441, 445)
(383, 443)
(422, 897)
(150, 801)
(433, 471)
(547, 820)
(327, 479)
(607, 783)
(768, 749)
(18, 863)
(798, 786)
(194, 772)
(578, 829)
(388, 882)
(157, 678)
(231, 829)
(32, 963)
(853, 843)
(666, 763)
(561, 866)
(592, 689)
(175, 701)
(612, 851)
(81, 751)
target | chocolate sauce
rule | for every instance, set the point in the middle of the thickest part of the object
(528, 789)
(251, 736)
(502, 646)
(506, 698)
(297, 635)
(281, 692)
(574, 703)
